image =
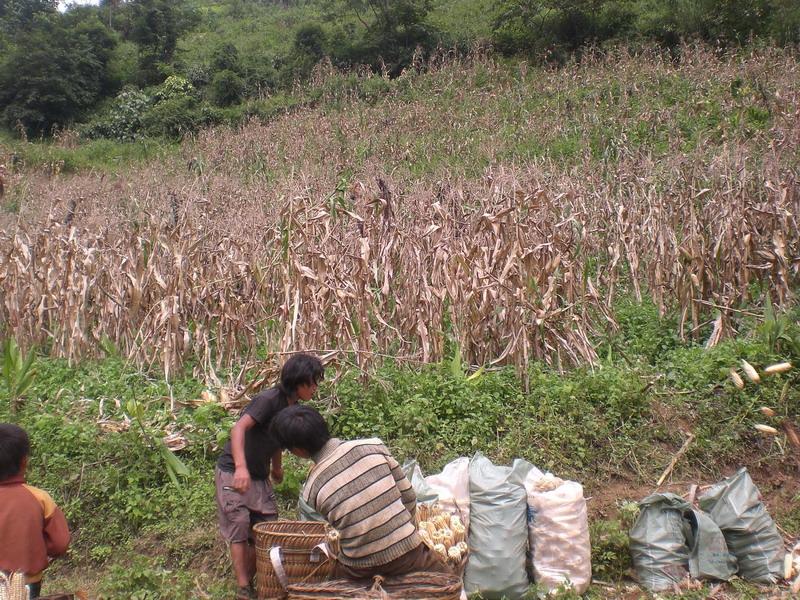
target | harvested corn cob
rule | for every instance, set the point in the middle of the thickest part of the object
(778, 368)
(440, 550)
(750, 371)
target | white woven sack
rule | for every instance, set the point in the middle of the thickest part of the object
(560, 551)
(452, 487)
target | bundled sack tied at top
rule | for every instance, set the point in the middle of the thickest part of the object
(731, 533)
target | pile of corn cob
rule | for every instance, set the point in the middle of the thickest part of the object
(443, 532)
(753, 375)
(547, 483)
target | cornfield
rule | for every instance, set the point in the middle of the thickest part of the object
(272, 238)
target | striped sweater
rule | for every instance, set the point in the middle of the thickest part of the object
(361, 491)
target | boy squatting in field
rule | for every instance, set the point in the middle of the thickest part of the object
(32, 527)
(243, 491)
(361, 490)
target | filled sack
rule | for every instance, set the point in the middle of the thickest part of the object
(451, 488)
(659, 549)
(558, 533)
(750, 533)
(498, 538)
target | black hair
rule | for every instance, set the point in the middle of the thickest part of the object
(301, 369)
(300, 426)
(14, 447)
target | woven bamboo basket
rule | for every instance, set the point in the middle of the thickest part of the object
(414, 586)
(290, 547)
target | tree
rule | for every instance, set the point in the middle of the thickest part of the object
(561, 25)
(226, 58)
(309, 47)
(155, 27)
(226, 88)
(392, 30)
(16, 15)
(54, 73)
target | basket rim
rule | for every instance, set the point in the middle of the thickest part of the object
(274, 527)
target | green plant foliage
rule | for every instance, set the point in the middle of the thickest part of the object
(387, 34)
(18, 372)
(226, 88)
(56, 71)
(16, 15)
(155, 27)
(124, 119)
(141, 533)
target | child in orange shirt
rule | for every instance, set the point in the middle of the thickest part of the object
(32, 527)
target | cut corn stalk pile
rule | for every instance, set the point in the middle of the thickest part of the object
(443, 532)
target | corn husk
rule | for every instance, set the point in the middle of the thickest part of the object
(423, 512)
(440, 521)
(788, 566)
(750, 371)
(766, 429)
(548, 483)
(737, 380)
(778, 368)
(332, 540)
(426, 537)
(447, 537)
(459, 533)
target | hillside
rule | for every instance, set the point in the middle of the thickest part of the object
(599, 244)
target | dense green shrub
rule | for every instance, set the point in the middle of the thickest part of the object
(553, 28)
(124, 119)
(226, 88)
(179, 116)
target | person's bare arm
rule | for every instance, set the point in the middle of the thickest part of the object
(277, 466)
(241, 475)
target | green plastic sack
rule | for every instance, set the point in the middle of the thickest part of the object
(735, 506)
(671, 538)
(658, 543)
(709, 557)
(498, 534)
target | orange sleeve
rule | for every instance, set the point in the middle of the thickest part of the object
(56, 531)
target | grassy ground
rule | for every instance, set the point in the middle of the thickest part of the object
(614, 428)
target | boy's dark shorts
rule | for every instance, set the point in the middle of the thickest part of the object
(237, 513)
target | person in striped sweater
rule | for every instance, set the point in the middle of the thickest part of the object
(361, 490)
